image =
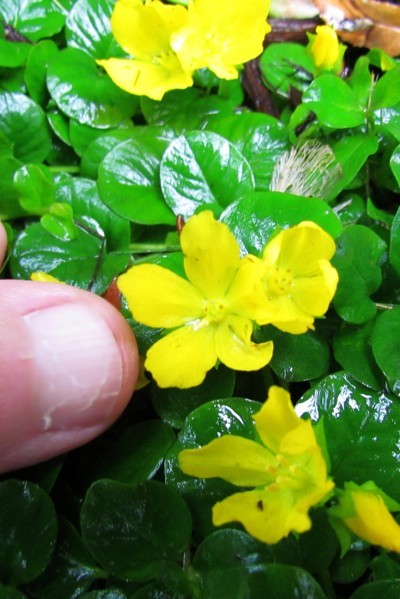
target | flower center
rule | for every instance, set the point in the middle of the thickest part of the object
(278, 282)
(214, 310)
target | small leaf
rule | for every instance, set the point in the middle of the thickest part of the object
(88, 28)
(385, 342)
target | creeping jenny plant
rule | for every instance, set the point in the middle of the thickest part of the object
(249, 212)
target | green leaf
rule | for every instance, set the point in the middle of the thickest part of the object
(174, 405)
(28, 530)
(84, 93)
(361, 429)
(394, 249)
(259, 137)
(35, 187)
(298, 357)
(385, 342)
(386, 90)
(286, 65)
(129, 178)
(71, 571)
(97, 150)
(203, 169)
(352, 153)
(357, 261)
(382, 588)
(334, 102)
(132, 456)
(352, 349)
(23, 123)
(9, 204)
(258, 215)
(88, 28)
(10, 593)
(385, 567)
(278, 581)
(35, 20)
(39, 59)
(352, 566)
(361, 80)
(13, 54)
(213, 419)
(135, 531)
(225, 562)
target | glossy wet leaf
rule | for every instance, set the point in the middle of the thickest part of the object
(394, 249)
(385, 343)
(385, 92)
(85, 93)
(259, 137)
(134, 531)
(213, 419)
(71, 571)
(279, 581)
(23, 123)
(129, 179)
(13, 54)
(352, 566)
(9, 197)
(28, 530)
(357, 261)
(35, 188)
(98, 149)
(39, 59)
(286, 65)
(225, 562)
(174, 405)
(361, 428)
(352, 349)
(35, 20)
(334, 102)
(203, 169)
(258, 215)
(88, 28)
(382, 588)
(131, 456)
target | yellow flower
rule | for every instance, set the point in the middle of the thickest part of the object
(210, 312)
(221, 35)
(286, 468)
(44, 277)
(365, 510)
(297, 279)
(325, 49)
(144, 32)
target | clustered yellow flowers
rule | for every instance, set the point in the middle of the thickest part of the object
(210, 316)
(168, 43)
(289, 473)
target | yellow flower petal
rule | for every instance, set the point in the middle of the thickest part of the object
(372, 521)
(182, 358)
(276, 418)
(237, 460)
(158, 297)
(145, 78)
(314, 294)
(144, 30)
(268, 515)
(44, 277)
(236, 350)
(324, 47)
(211, 254)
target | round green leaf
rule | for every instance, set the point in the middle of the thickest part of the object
(351, 566)
(88, 28)
(13, 54)
(258, 215)
(394, 250)
(28, 530)
(70, 572)
(23, 123)
(259, 137)
(10, 593)
(334, 102)
(361, 428)
(174, 405)
(133, 456)
(97, 150)
(82, 92)
(213, 419)
(385, 342)
(39, 59)
(35, 20)
(352, 349)
(226, 560)
(34, 184)
(285, 66)
(278, 581)
(134, 531)
(203, 168)
(389, 589)
(298, 357)
(9, 204)
(129, 178)
(357, 261)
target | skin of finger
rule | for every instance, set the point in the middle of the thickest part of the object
(21, 442)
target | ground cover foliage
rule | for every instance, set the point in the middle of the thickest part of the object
(94, 180)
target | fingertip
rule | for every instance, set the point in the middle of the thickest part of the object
(70, 369)
(3, 243)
